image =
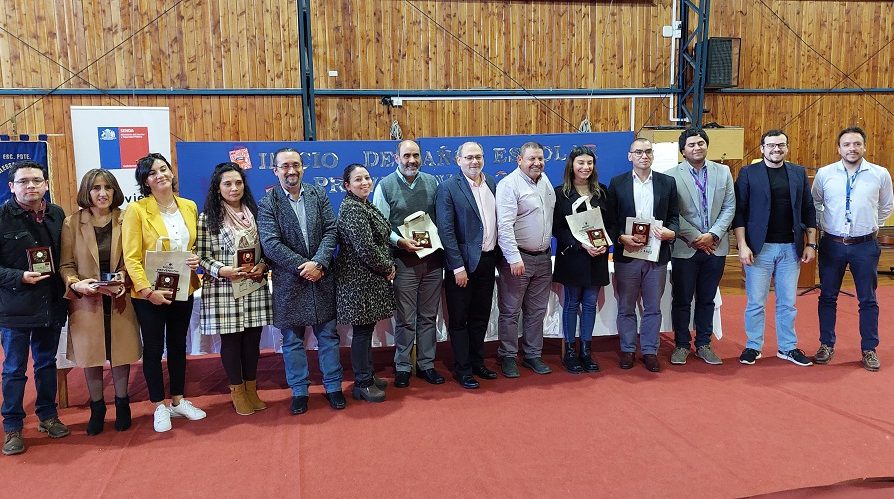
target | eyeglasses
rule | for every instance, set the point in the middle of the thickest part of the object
(640, 152)
(783, 145)
(290, 166)
(479, 157)
(28, 181)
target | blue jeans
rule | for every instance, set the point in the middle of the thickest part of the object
(863, 261)
(583, 298)
(295, 358)
(44, 341)
(781, 262)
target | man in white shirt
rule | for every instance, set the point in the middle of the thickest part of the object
(852, 198)
(525, 203)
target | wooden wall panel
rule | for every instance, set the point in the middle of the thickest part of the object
(223, 118)
(385, 44)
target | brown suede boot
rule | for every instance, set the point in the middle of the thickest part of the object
(240, 401)
(251, 394)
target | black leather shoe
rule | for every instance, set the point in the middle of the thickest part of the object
(466, 381)
(484, 373)
(650, 360)
(380, 383)
(430, 375)
(370, 393)
(299, 405)
(537, 365)
(626, 361)
(402, 379)
(336, 400)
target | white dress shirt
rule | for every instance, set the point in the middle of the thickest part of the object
(643, 197)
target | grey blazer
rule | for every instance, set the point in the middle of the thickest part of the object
(298, 302)
(721, 202)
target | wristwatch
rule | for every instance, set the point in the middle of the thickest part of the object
(812, 245)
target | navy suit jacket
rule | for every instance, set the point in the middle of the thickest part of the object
(622, 205)
(753, 204)
(459, 222)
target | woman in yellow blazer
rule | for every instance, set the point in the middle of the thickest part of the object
(101, 322)
(163, 320)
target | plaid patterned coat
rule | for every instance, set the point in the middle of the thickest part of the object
(298, 302)
(364, 261)
(221, 313)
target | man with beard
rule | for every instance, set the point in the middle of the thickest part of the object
(771, 243)
(417, 281)
(853, 197)
(298, 234)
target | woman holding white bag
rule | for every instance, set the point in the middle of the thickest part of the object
(164, 321)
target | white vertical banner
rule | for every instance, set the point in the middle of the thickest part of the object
(115, 137)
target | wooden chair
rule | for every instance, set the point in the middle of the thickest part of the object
(886, 241)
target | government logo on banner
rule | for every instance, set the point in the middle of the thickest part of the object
(121, 147)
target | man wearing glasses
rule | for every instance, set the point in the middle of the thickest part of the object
(853, 197)
(33, 309)
(417, 281)
(771, 243)
(642, 194)
(467, 224)
(707, 201)
(297, 228)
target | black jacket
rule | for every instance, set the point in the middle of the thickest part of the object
(574, 266)
(621, 205)
(25, 306)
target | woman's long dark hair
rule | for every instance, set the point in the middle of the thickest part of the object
(593, 180)
(214, 201)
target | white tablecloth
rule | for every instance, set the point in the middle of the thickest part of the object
(606, 314)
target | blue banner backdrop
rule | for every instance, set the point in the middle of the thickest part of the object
(10, 152)
(324, 161)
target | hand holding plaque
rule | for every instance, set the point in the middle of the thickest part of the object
(246, 259)
(422, 238)
(40, 259)
(167, 281)
(597, 238)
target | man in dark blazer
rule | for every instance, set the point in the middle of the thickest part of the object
(467, 225)
(298, 234)
(774, 209)
(641, 193)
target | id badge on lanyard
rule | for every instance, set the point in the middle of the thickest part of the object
(849, 183)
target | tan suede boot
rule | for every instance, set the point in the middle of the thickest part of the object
(251, 394)
(240, 401)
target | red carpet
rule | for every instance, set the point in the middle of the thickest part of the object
(690, 431)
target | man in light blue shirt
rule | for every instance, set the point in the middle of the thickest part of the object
(852, 197)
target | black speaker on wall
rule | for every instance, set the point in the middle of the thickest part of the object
(723, 62)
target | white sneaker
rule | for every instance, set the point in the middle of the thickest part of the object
(162, 421)
(185, 409)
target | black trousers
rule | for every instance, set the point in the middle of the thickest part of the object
(696, 276)
(239, 353)
(468, 312)
(361, 354)
(160, 326)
